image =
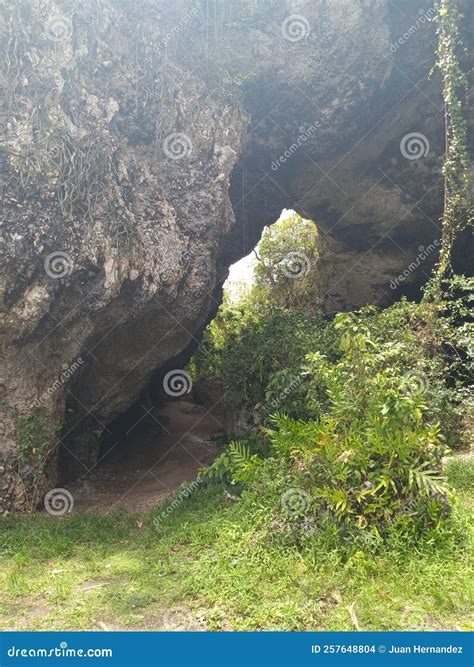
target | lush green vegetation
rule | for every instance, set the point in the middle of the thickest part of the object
(349, 501)
(220, 564)
(458, 212)
(349, 423)
(336, 511)
(355, 414)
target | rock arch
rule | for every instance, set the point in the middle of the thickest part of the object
(145, 149)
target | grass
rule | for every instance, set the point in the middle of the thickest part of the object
(211, 565)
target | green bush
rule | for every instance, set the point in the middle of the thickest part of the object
(258, 350)
(360, 457)
(247, 345)
(358, 415)
(430, 347)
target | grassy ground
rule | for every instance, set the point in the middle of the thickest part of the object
(207, 566)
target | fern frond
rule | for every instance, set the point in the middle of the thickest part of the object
(239, 454)
(427, 480)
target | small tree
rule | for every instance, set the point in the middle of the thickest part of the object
(287, 256)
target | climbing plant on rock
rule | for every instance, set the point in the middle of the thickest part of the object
(458, 211)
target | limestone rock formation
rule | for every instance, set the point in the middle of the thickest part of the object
(145, 145)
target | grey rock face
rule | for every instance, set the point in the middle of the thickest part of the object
(145, 147)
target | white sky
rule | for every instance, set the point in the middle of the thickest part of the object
(242, 270)
(241, 273)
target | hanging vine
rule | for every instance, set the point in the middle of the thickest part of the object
(457, 212)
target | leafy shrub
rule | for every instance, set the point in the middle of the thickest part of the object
(235, 464)
(363, 460)
(430, 347)
(359, 414)
(375, 474)
(287, 266)
(246, 347)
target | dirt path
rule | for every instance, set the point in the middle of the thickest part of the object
(154, 460)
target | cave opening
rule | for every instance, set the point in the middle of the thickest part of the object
(173, 429)
(148, 450)
(146, 453)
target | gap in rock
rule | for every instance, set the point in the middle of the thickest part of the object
(162, 440)
(147, 453)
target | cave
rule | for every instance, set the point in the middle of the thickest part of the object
(165, 437)
(190, 152)
(146, 452)
(144, 455)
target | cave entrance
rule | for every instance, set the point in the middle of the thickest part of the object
(168, 435)
(147, 453)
